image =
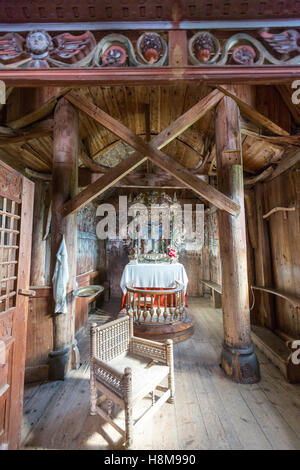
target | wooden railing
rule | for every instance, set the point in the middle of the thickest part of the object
(156, 306)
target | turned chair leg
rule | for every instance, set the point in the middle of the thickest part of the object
(171, 380)
(128, 427)
(93, 396)
(109, 407)
(128, 407)
(93, 389)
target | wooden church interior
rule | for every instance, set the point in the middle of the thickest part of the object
(233, 147)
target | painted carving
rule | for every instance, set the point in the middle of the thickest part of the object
(151, 48)
(284, 42)
(6, 322)
(10, 185)
(244, 55)
(11, 48)
(204, 48)
(71, 49)
(40, 50)
(114, 48)
(244, 49)
(38, 45)
(114, 56)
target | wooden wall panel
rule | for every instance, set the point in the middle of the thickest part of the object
(284, 191)
(88, 255)
(270, 104)
(40, 322)
(39, 335)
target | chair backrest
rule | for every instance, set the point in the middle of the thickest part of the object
(112, 339)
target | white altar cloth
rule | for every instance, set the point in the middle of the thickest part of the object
(153, 275)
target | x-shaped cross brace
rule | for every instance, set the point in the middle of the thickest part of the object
(151, 150)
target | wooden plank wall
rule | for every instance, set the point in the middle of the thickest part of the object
(90, 270)
(88, 256)
(284, 191)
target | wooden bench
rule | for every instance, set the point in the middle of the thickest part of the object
(216, 292)
(277, 350)
(276, 345)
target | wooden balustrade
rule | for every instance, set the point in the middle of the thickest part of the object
(156, 306)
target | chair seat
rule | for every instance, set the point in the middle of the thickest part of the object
(145, 377)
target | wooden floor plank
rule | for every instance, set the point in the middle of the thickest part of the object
(210, 411)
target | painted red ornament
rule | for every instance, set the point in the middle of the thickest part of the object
(114, 56)
(151, 55)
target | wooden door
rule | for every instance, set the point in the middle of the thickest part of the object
(16, 207)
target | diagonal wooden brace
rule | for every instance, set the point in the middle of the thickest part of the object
(148, 150)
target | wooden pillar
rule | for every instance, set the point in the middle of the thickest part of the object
(263, 263)
(238, 358)
(64, 186)
(178, 50)
(38, 259)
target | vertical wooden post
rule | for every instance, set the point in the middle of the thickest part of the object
(238, 358)
(263, 263)
(64, 187)
(178, 50)
(38, 261)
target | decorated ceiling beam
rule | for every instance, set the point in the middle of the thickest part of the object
(154, 154)
(40, 49)
(253, 115)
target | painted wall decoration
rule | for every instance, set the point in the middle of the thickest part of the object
(42, 49)
(38, 49)
(257, 48)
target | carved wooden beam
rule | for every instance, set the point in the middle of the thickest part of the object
(252, 114)
(42, 107)
(287, 161)
(277, 140)
(148, 150)
(102, 184)
(38, 175)
(252, 180)
(89, 162)
(12, 136)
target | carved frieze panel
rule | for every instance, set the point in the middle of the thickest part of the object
(254, 48)
(40, 49)
(6, 325)
(10, 185)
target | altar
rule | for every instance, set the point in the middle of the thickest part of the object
(152, 275)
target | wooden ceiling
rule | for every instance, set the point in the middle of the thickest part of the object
(147, 111)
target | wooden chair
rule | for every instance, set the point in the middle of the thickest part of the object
(126, 369)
